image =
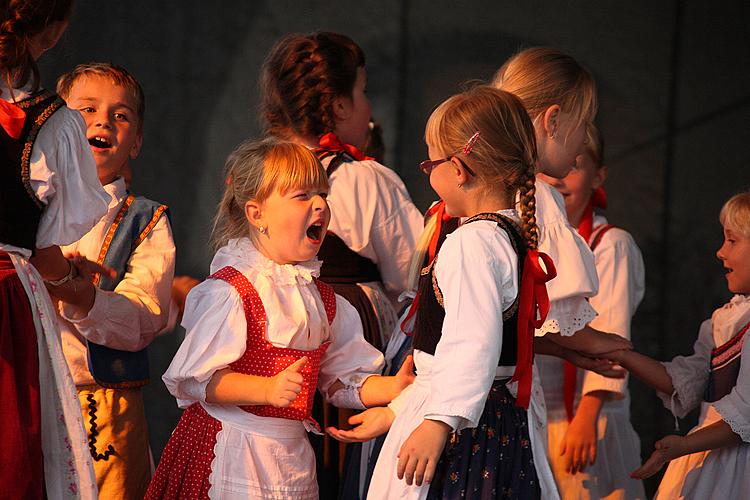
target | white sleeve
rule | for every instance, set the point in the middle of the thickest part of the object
(349, 358)
(130, 316)
(372, 212)
(63, 176)
(621, 286)
(690, 374)
(216, 336)
(477, 274)
(576, 269)
(734, 408)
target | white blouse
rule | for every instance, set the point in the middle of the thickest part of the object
(63, 177)
(576, 269)
(690, 373)
(477, 272)
(372, 212)
(216, 329)
(130, 317)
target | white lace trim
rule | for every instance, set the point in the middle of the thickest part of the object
(682, 399)
(212, 493)
(348, 397)
(279, 274)
(733, 418)
(567, 325)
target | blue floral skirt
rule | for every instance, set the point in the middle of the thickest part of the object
(493, 460)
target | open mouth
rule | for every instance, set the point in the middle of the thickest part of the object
(100, 142)
(315, 232)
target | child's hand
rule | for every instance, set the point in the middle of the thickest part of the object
(368, 425)
(419, 455)
(601, 342)
(604, 367)
(405, 375)
(665, 450)
(579, 444)
(614, 356)
(282, 388)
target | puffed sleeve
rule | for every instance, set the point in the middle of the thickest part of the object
(621, 287)
(349, 358)
(63, 176)
(690, 374)
(734, 408)
(476, 271)
(216, 335)
(576, 269)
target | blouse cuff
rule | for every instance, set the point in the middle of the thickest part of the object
(685, 397)
(594, 382)
(455, 416)
(193, 389)
(347, 397)
(734, 417)
(398, 403)
(567, 316)
(453, 422)
(97, 312)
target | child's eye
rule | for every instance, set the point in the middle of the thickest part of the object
(87, 109)
(300, 196)
(121, 117)
(323, 195)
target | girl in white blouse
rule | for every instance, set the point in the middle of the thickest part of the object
(713, 459)
(262, 334)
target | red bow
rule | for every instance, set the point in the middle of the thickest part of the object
(533, 307)
(585, 228)
(331, 142)
(12, 118)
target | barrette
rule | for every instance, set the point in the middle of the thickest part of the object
(470, 143)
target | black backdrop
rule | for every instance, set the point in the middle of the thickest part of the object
(675, 105)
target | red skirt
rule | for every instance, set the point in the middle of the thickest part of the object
(21, 462)
(185, 464)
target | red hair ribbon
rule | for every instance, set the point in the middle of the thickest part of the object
(12, 119)
(331, 142)
(437, 210)
(585, 228)
(533, 307)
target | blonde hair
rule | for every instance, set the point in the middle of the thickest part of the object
(256, 169)
(735, 214)
(595, 145)
(503, 156)
(542, 77)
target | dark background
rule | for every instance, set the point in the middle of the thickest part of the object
(674, 110)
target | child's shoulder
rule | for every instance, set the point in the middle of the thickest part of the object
(482, 240)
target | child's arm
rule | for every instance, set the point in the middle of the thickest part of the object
(647, 369)
(716, 435)
(604, 367)
(229, 387)
(380, 390)
(579, 443)
(591, 341)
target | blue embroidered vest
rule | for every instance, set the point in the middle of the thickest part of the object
(114, 368)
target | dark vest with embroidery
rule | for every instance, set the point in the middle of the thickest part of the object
(20, 210)
(725, 367)
(343, 268)
(114, 368)
(428, 323)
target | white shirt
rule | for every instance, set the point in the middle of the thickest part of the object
(129, 317)
(576, 269)
(372, 212)
(63, 176)
(216, 329)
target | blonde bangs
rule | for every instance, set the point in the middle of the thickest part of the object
(434, 133)
(291, 166)
(735, 214)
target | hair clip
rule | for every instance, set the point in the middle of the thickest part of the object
(470, 143)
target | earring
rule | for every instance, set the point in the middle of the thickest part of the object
(460, 185)
(262, 229)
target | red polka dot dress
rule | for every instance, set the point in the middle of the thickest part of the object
(256, 317)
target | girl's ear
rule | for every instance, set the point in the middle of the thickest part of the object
(254, 213)
(551, 121)
(462, 176)
(342, 108)
(600, 175)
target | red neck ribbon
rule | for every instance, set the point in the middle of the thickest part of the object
(11, 118)
(438, 211)
(331, 142)
(585, 228)
(533, 307)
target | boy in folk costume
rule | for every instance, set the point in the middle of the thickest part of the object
(105, 340)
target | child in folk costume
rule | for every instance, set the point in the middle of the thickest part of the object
(473, 329)
(49, 196)
(263, 332)
(105, 341)
(314, 93)
(713, 459)
(592, 444)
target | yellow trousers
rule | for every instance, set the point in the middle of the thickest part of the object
(119, 421)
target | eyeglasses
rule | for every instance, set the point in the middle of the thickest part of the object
(428, 166)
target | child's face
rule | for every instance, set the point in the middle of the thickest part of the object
(557, 155)
(352, 114)
(578, 186)
(109, 111)
(443, 179)
(734, 254)
(294, 223)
